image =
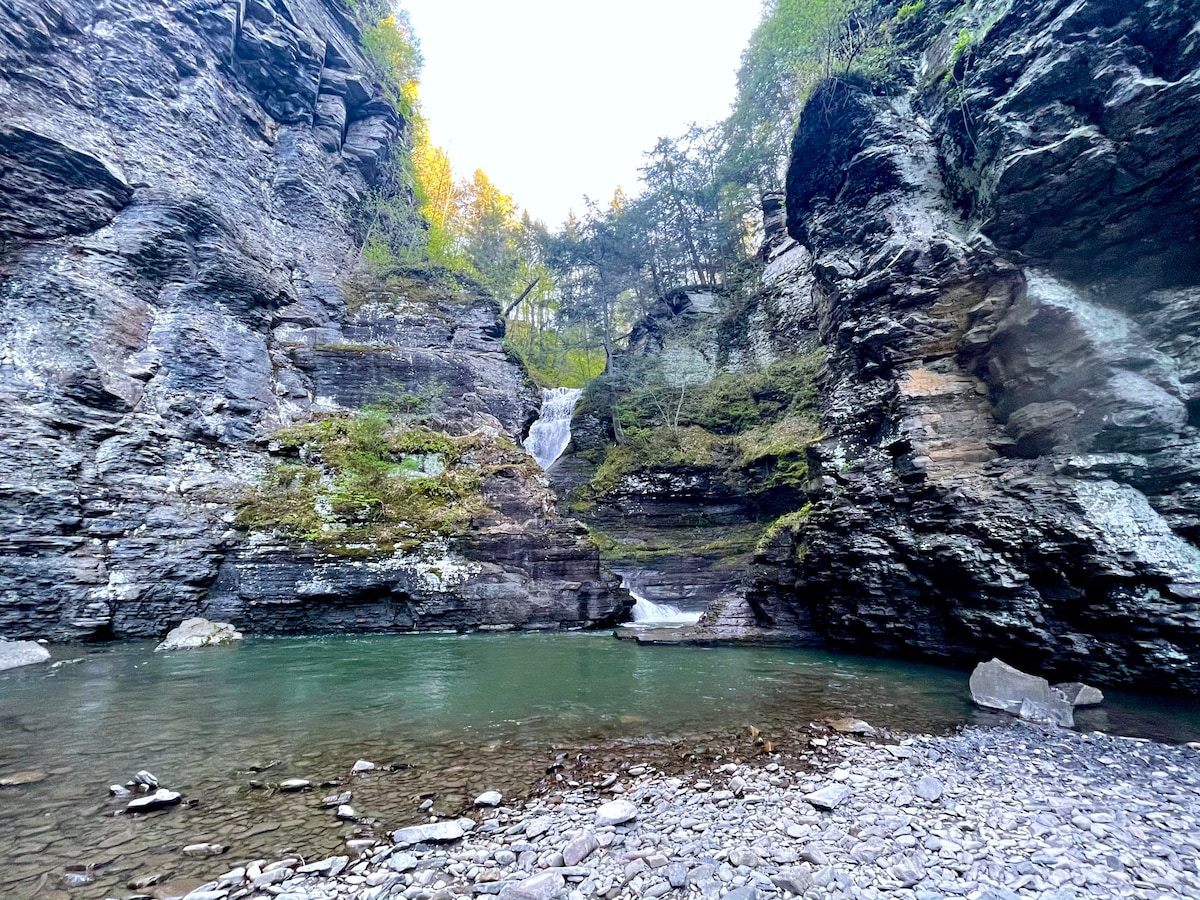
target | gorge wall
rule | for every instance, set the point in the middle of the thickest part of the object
(1005, 273)
(177, 265)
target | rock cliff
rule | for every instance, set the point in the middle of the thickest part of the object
(176, 187)
(1005, 274)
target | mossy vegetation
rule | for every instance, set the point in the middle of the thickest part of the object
(374, 482)
(750, 430)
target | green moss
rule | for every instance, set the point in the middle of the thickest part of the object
(368, 484)
(352, 348)
(751, 430)
(788, 521)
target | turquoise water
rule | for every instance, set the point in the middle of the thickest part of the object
(456, 715)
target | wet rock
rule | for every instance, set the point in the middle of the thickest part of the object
(32, 776)
(160, 799)
(997, 685)
(293, 785)
(851, 726)
(828, 797)
(199, 632)
(616, 812)
(145, 780)
(361, 766)
(1079, 694)
(203, 849)
(21, 653)
(335, 800)
(346, 813)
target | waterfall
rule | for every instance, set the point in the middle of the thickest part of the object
(550, 434)
(647, 612)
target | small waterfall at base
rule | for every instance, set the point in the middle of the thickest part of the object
(647, 612)
(550, 434)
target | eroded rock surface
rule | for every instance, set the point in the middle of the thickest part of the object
(175, 253)
(1004, 271)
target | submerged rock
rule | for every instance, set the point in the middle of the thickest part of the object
(21, 653)
(199, 632)
(997, 685)
(160, 799)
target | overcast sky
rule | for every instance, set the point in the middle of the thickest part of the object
(556, 99)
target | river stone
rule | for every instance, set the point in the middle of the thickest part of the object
(363, 765)
(199, 632)
(21, 653)
(346, 813)
(328, 867)
(793, 880)
(1054, 712)
(828, 797)
(928, 788)
(997, 685)
(291, 785)
(434, 832)
(158, 800)
(489, 798)
(749, 892)
(1078, 694)
(545, 886)
(580, 847)
(616, 812)
(204, 849)
(29, 777)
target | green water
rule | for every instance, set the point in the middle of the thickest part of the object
(455, 715)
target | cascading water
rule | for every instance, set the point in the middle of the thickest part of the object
(647, 612)
(550, 434)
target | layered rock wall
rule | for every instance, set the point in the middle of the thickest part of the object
(176, 185)
(1004, 269)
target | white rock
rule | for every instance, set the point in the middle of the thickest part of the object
(489, 798)
(434, 832)
(158, 800)
(363, 765)
(291, 785)
(199, 632)
(21, 653)
(828, 797)
(616, 812)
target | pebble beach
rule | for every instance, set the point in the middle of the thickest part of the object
(1020, 811)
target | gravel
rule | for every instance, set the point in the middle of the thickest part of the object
(986, 814)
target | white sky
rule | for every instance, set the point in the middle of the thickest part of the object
(555, 99)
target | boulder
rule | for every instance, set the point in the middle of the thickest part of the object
(616, 813)
(997, 685)
(198, 632)
(21, 653)
(1078, 694)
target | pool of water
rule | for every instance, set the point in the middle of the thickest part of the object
(450, 716)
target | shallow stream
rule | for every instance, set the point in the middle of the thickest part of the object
(454, 715)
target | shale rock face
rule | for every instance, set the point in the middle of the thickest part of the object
(175, 189)
(1005, 273)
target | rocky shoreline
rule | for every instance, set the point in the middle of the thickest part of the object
(1015, 811)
